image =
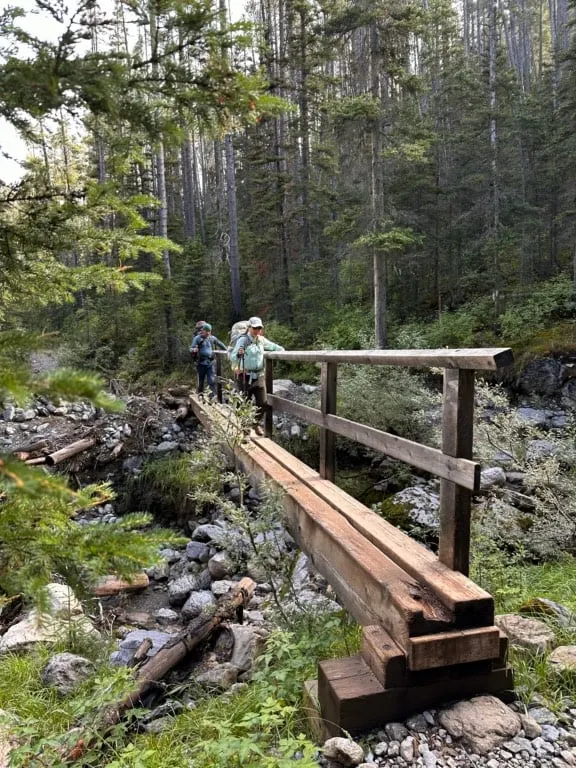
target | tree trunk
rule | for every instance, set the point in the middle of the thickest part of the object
(378, 258)
(233, 225)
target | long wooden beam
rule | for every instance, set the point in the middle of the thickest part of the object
(489, 359)
(471, 605)
(463, 472)
(372, 588)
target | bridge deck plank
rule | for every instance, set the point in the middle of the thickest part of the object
(472, 606)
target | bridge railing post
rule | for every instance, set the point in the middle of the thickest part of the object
(219, 378)
(269, 412)
(328, 383)
(457, 437)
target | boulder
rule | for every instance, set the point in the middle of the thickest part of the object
(198, 550)
(563, 658)
(220, 678)
(526, 633)
(220, 566)
(179, 589)
(198, 602)
(62, 601)
(545, 607)
(483, 723)
(65, 671)
(166, 446)
(41, 628)
(248, 643)
(421, 504)
(209, 533)
(541, 377)
(284, 388)
(345, 752)
(491, 477)
(300, 572)
(221, 588)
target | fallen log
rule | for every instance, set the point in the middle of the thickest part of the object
(70, 450)
(22, 455)
(171, 655)
(36, 462)
(112, 585)
(141, 652)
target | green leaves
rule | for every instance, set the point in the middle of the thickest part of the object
(395, 240)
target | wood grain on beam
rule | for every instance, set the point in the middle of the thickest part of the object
(472, 606)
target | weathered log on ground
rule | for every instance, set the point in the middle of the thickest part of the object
(171, 655)
(70, 450)
(112, 585)
(36, 462)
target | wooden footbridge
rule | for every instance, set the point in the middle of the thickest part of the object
(428, 630)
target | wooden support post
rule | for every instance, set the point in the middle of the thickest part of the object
(219, 378)
(269, 412)
(328, 381)
(457, 436)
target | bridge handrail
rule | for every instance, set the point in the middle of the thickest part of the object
(459, 474)
(468, 359)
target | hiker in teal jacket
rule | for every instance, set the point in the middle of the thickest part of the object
(202, 352)
(247, 360)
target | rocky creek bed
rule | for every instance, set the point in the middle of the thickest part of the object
(193, 578)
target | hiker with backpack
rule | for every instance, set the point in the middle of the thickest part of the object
(202, 353)
(247, 358)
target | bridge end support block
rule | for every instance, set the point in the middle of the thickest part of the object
(352, 700)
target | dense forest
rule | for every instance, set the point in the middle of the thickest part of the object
(397, 173)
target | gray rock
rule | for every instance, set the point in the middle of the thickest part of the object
(563, 658)
(541, 377)
(166, 616)
(248, 643)
(396, 731)
(179, 589)
(550, 732)
(65, 671)
(284, 388)
(541, 449)
(526, 633)
(159, 572)
(535, 417)
(483, 723)
(518, 744)
(531, 728)
(197, 550)
(133, 640)
(309, 601)
(9, 413)
(393, 749)
(491, 477)
(381, 748)
(221, 588)
(301, 572)
(417, 723)
(421, 504)
(198, 602)
(221, 678)
(170, 555)
(37, 629)
(209, 533)
(256, 571)
(159, 725)
(546, 607)
(220, 566)
(407, 749)
(542, 715)
(295, 431)
(346, 752)
(166, 446)
(569, 393)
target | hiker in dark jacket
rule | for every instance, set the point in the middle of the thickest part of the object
(202, 352)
